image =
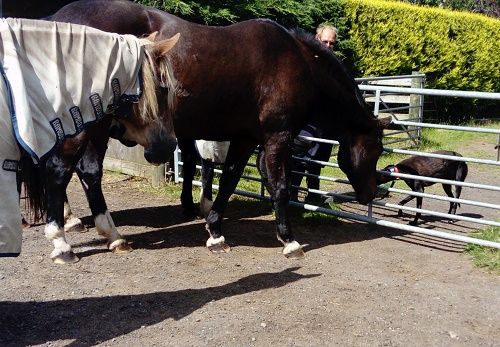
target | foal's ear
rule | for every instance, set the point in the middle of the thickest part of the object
(166, 45)
(385, 122)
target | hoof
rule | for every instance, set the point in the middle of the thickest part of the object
(74, 225)
(120, 246)
(218, 245)
(78, 228)
(65, 258)
(26, 225)
(293, 250)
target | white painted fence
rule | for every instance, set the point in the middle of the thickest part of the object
(486, 209)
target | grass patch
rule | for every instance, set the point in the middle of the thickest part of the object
(171, 191)
(311, 220)
(486, 257)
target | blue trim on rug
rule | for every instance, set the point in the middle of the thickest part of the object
(97, 112)
(13, 115)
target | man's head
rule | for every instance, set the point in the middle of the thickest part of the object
(327, 34)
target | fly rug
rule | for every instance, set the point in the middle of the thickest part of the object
(55, 83)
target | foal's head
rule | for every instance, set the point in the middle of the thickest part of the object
(150, 121)
(384, 178)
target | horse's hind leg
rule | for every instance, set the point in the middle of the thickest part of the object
(207, 177)
(89, 170)
(460, 176)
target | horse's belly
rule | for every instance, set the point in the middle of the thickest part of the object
(214, 151)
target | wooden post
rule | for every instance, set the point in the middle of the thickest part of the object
(158, 176)
(416, 111)
(416, 101)
(130, 161)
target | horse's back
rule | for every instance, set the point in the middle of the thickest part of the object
(107, 15)
(435, 167)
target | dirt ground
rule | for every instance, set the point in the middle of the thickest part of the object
(360, 284)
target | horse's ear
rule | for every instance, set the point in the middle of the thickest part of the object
(385, 122)
(152, 36)
(166, 45)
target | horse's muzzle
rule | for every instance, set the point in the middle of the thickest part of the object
(366, 196)
(161, 153)
(365, 199)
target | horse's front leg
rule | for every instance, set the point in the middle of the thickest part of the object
(453, 205)
(57, 176)
(413, 185)
(89, 170)
(277, 162)
(237, 158)
(419, 206)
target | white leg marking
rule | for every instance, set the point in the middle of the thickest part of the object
(205, 204)
(211, 241)
(106, 227)
(291, 247)
(67, 211)
(70, 221)
(57, 237)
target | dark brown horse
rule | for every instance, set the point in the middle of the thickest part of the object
(252, 83)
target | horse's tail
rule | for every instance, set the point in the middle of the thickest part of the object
(34, 187)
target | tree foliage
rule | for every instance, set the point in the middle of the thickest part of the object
(291, 13)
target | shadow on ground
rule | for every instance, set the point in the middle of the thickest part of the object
(25, 323)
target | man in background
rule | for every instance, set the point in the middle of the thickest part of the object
(308, 150)
(327, 34)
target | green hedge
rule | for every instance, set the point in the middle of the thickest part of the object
(456, 50)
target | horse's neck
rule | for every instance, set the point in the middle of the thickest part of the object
(340, 110)
(339, 95)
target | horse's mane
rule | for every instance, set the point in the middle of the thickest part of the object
(154, 77)
(333, 65)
